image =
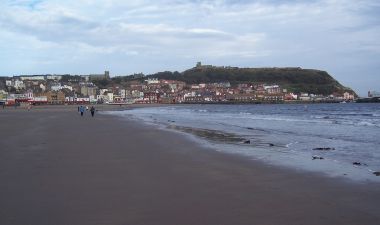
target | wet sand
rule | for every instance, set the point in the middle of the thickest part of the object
(57, 168)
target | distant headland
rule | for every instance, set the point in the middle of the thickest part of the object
(200, 84)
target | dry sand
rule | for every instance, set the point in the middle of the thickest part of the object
(57, 168)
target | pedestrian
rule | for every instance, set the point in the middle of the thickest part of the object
(92, 111)
(81, 109)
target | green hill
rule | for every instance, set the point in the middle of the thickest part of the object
(294, 79)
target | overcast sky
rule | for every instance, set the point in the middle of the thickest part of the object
(125, 37)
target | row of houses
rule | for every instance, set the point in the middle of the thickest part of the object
(157, 96)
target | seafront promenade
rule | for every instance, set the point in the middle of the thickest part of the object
(58, 168)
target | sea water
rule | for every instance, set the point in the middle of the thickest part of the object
(340, 140)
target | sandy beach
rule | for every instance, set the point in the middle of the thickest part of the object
(58, 168)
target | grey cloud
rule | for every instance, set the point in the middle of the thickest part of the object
(160, 34)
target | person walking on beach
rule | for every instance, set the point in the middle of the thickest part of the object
(92, 111)
(81, 109)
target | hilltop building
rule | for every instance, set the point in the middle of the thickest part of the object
(54, 77)
(93, 77)
(32, 77)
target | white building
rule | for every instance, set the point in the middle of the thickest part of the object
(43, 87)
(123, 93)
(83, 100)
(30, 94)
(110, 97)
(54, 77)
(56, 87)
(348, 96)
(69, 99)
(272, 89)
(38, 77)
(9, 83)
(153, 81)
(103, 98)
(68, 87)
(304, 97)
(93, 98)
(19, 84)
(102, 91)
(137, 94)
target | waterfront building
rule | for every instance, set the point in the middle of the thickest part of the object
(55, 97)
(137, 94)
(290, 96)
(272, 89)
(152, 97)
(194, 99)
(123, 93)
(3, 95)
(304, 97)
(102, 98)
(110, 97)
(348, 96)
(82, 100)
(30, 94)
(374, 94)
(92, 98)
(241, 97)
(87, 90)
(40, 100)
(274, 97)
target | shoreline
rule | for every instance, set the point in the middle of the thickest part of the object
(59, 168)
(222, 141)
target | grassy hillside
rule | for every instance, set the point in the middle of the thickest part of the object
(294, 79)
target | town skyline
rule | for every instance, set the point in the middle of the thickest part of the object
(84, 37)
(174, 88)
(110, 75)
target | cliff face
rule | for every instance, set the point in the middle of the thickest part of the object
(294, 79)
